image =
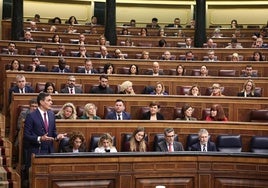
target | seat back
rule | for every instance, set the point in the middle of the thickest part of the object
(227, 73)
(260, 115)
(63, 143)
(229, 143)
(259, 144)
(191, 139)
(160, 137)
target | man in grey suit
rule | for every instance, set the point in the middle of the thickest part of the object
(169, 145)
(70, 86)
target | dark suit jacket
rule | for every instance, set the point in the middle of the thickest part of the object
(108, 56)
(79, 54)
(93, 71)
(15, 89)
(147, 116)
(241, 94)
(151, 72)
(69, 148)
(57, 69)
(210, 146)
(33, 128)
(162, 146)
(101, 90)
(40, 69)
(173, 25)
(112, 115)
(66, 90)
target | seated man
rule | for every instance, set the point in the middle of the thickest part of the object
(103, 87)
(20, 87)
(176, 24)
(167, 56)
(210, 44)
(38, 50)
(189, 56)
(27, 37)
(70, 86)
(82, 39)
(103, 53)
(119, 112)
(88, 68)
(118, 54)
(154, 24)
(82, 52)
(61, 51)
(234, 44)
(11, 49)
(169, 145)
(62, 67)
(204, 143)
(203, 70)
(211, 56)
(156, 70)
(248, 72)
(36, 66)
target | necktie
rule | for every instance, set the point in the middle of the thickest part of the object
(204, 148)
(118, 117)
(21, 91)
(45, 121)
(71, 90)
(169, 147)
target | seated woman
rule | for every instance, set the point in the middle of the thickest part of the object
(153, 113)
(194, 91)
(76, 143)
(133, 69)
(159, 89)
(90, 112)
(186, 113)
(248, 90)
(216, 90)
(216, 113)
(180, 71)
(143, 32)
(124, 31)
(67, 111)
(235, 57)
(56, 38)
(137, 142)
(108, 68)
(126, 88)
(257, 56)
(15, 66)
(50, 88)
(105, 144)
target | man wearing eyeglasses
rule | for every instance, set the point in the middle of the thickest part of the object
(168, 144)
(204, 144)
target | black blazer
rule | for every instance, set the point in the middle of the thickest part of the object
(15, 89)
(162, 146)
(241, 94)
(93, 71)
(147, 116)
(57, 69)
(76, 89)
(210, 146)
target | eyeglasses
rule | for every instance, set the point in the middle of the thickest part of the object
(215, 88)
(170, 136)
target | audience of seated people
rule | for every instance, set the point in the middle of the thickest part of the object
(119, 112)
(169, 144)
(153, 113)
(68, 111)
(90, 112)
(186, 113)
(76, 143)
(103, 87)
(248, 90)
(105, 144)
(126, 88)
(137, 142)
(216, 113)
(70, 87)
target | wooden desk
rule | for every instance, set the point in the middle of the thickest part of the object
(140, 170)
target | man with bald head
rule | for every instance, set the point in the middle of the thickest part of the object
(156, 70)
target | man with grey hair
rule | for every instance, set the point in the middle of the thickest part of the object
(71, 88)
(204, 144)
(168, 144)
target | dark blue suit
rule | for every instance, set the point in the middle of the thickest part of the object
(113, 115)
(34, 127)
(93, 71)
(57, 69)
(210, 146)
(16, 89)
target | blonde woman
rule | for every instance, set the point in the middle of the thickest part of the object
(159, 89)
(248, 90)
(126, 88)
(216, 90)
(90, 111)
(67, 111)
(137, 142)
(105, 144)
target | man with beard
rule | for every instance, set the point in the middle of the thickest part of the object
(103, 87)
(70, 86)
